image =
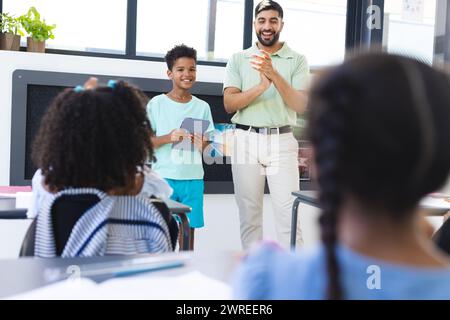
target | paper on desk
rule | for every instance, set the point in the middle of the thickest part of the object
(190, 286)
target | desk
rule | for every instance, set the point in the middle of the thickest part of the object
(24, 274)
(307, 197)
(311, 198)
(8, 211)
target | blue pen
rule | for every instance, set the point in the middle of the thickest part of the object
(118, 269)
(128, 269)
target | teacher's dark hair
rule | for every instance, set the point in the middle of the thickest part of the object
(268, 5)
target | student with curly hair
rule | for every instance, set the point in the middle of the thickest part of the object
(91, 148)
(379, 126)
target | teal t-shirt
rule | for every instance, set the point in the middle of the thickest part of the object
(166, 115)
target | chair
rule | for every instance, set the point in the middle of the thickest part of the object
(67, 209)
(71, 207)
(27, 248)
(171, 222)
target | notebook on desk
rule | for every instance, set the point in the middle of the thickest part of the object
(191, 285)
(121, 268)
(83, 283)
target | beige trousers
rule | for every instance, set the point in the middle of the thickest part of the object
(256, 157)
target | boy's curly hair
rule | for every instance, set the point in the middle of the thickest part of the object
(177, 52)
(94, 138)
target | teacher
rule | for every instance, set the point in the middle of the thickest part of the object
(265, 85)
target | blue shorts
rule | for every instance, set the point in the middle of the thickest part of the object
(190, 193)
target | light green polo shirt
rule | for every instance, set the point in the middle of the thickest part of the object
(269, 109)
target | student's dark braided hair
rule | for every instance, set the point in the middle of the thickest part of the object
(94, 138)
(327, 158)
(372, 121)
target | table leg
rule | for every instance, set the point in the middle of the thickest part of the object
(294, 223)
(185, 230)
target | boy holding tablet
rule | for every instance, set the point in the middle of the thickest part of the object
(181, 167)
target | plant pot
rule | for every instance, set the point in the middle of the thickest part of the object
(9, 41)
(35, 46)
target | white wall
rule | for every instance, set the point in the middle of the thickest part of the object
(10, 61)
(221, 214)
(221, 230)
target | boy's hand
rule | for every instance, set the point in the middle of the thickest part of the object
(198, 141)
(178, 134)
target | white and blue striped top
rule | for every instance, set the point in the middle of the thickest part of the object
(116, 225)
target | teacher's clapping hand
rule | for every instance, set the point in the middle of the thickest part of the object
(263, 63)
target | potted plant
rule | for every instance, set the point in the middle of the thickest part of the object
(10, 32)
(38, 31)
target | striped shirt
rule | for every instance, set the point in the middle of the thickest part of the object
(116, 225)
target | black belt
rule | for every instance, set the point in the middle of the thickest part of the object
(265, 130)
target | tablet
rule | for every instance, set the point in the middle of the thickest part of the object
(191, 125)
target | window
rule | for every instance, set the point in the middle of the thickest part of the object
(409, 28)
(172, 22)
(215, 28)
(315, 29)
(229, 28)
(82, 25)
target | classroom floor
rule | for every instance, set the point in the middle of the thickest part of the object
(221, 230)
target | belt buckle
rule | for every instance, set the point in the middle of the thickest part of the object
(263, 130)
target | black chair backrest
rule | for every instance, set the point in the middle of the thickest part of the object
(171, 222)
(66, 211)
(27, 249)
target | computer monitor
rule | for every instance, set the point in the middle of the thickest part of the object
(33, 92)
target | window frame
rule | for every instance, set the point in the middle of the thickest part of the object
(358, 35)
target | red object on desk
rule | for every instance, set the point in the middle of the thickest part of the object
(14, 189)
